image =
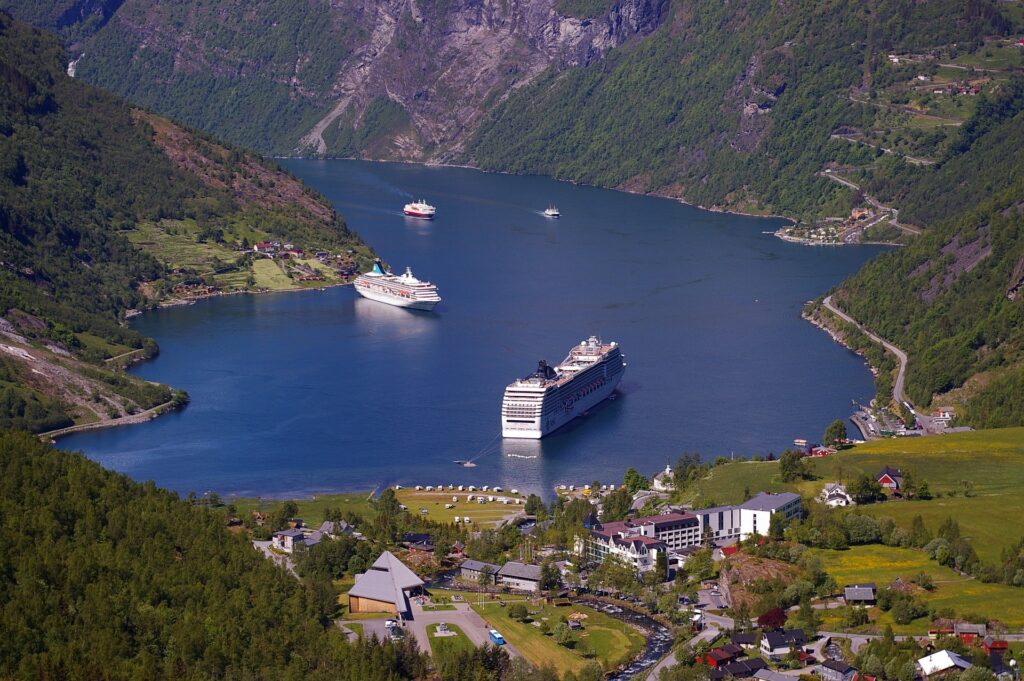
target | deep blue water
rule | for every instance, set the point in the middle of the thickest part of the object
(295, 393)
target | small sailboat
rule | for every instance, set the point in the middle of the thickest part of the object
(552, 211)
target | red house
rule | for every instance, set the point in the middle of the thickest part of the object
(890, 478)
(994, 645)
(723, 655)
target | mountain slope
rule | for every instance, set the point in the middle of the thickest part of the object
(270, 73)
(954, 298)
(103, 577)
(104, 209)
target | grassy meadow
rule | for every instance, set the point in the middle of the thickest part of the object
(613, 642)
(967, 597)
(992, 461)
(435, 501)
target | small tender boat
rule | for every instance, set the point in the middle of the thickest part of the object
(552, 212)
(419, 209)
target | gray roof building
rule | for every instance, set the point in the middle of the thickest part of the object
(763, 501)
(387, 581)
(860, 593)
(479, 566)
(769, 675)
(520, 571)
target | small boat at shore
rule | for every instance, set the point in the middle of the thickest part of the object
(420, 209)
(552, 212)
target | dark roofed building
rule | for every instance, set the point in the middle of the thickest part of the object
(747, 640)
(470, 571)
(782, 641)
(860, 594)
(836, 670)
(741, 669)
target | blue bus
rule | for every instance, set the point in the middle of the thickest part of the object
(497, 638)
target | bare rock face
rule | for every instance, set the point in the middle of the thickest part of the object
(446, 67)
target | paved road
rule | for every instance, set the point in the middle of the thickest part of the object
(283, 561)
(141, 417)
(897, 388)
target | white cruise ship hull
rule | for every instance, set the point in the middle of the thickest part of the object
(397, 301)
(530, 412)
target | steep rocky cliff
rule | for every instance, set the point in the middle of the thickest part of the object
(405, 79)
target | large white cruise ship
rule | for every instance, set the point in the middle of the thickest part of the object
(550, 397)
(404, 290)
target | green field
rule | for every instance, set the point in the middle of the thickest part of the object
(442, 647)
(434, 502)
(445, 596)
(992, 460)
(310, 510)
(613, 642)
(270, 276)
(964, 595)
(98, 344)
(174, 242)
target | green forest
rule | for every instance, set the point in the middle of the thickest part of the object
(947, 298)
(103, 577)
(79, 172)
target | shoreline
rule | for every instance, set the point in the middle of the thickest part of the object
(165, 408)
(433, 164)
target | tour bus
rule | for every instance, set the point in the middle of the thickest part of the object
(497, 638)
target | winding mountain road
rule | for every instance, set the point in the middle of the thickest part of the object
(897, 387)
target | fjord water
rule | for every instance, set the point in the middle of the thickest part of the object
(297, 393)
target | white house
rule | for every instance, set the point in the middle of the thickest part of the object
(834, 494)
(756, 512)
(664, 482)
(941, 663)
(519, 576)
(782, 641)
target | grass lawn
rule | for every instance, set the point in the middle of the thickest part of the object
(269, 275)
(356, 627)
(612, 641)
(310, 510)
(965, 596)
(439, 607)
(992, 460)
(96, 343)
(435, 503)
(445, 596)
(444, 647)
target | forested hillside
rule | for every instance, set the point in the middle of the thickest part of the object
(729, 105)
(104, 209)
(103, 577)
(954, 298)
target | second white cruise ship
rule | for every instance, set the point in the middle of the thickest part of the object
(552, 396)
(400, 290)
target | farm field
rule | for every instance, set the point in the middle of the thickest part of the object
(967, 597)
(270, 276)
(991, 460)
(612, 642)
(434, 502)
(174, 242)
